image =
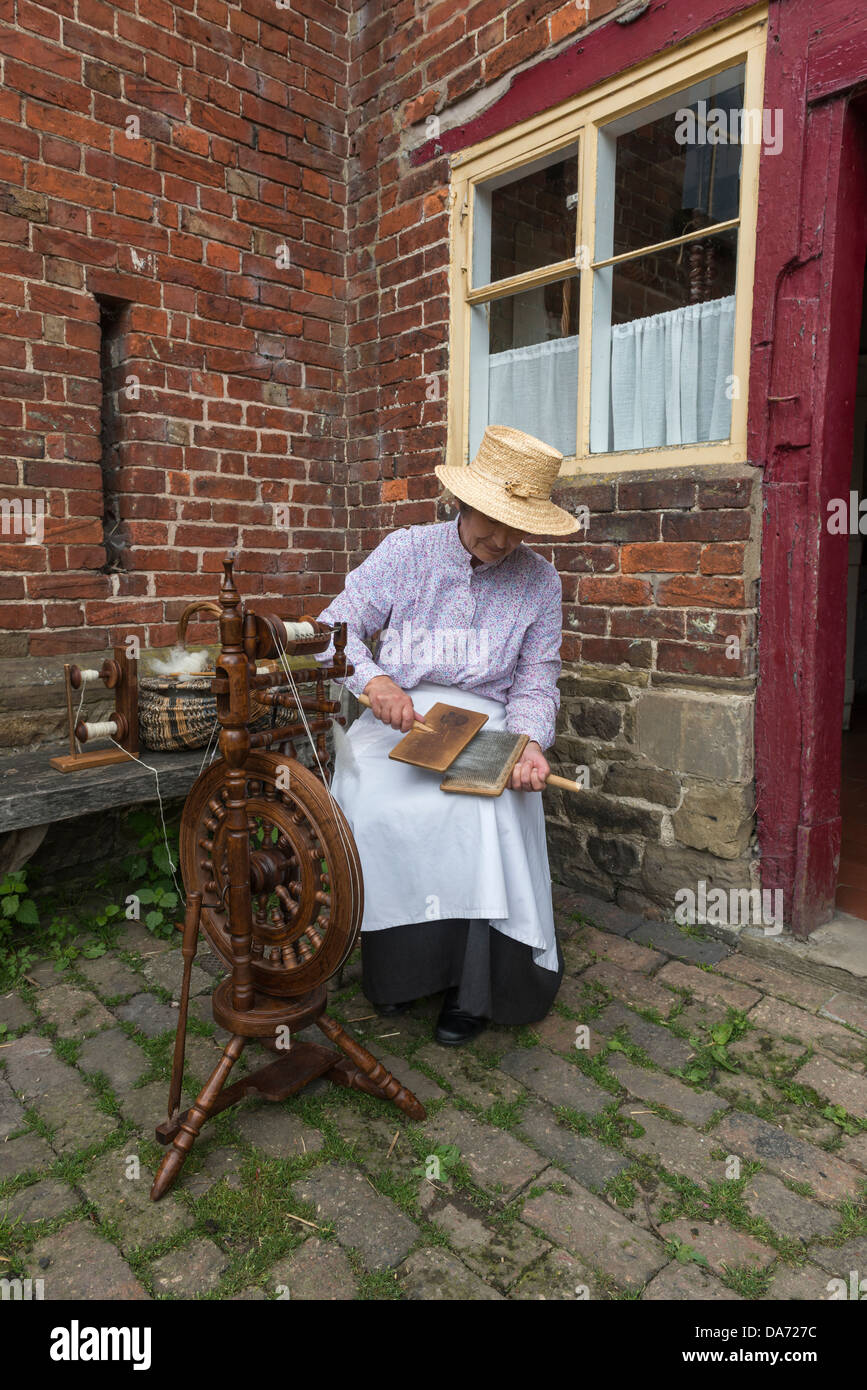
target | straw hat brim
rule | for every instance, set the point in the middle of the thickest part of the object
(530, 514)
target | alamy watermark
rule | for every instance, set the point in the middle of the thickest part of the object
(78, 1343)
(855, 1289)
(23, 517)
(733, 907)
(718, 125)
(21, 1290)
(466, 647)
(847, 516)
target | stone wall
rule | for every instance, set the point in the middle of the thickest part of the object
(657, 699)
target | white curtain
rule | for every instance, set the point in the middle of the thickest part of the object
(535, 389)
(669, 376)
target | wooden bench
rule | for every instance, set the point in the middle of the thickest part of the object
(33, 795)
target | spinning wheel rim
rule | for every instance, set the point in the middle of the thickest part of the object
(305, 816)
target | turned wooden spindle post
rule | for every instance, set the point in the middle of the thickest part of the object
(233, 712)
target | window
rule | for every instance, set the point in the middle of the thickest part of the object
(524, 324)
(602, 261)
(113, 328)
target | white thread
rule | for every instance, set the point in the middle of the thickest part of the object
(88, 675)
(76, 719)
(101, 729)
(294, 631)
(172, 865)
(208, 748)
(338, 819)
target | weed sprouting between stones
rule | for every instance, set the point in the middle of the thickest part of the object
(505, 1114)
(749, 1283)
(608, 1125)
(712, 1054)
(374, 1285)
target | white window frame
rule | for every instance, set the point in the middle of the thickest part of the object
(741, 41)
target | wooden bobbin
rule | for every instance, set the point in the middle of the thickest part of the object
(120, 675)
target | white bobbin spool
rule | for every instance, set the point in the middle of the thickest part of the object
(106, 728)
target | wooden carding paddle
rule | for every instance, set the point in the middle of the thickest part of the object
(453, 729)
(485, 766)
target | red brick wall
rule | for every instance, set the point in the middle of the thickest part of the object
(657, 579)
(411, 60)
(322, 385)
(239, 363)
(664, 573)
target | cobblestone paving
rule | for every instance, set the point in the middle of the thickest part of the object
(688, 1123)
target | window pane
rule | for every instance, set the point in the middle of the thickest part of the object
(663, 332)
(524, 364)
(526, 219)
(673, 168)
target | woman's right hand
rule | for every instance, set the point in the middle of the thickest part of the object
(389, 703)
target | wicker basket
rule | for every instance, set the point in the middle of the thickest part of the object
(181, 712)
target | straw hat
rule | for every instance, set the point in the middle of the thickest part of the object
(510, 479)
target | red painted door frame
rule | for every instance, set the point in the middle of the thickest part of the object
(809, 359)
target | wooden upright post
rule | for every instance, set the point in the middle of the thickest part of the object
(233, 712)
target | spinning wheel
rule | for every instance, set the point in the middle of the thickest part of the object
(305, 875)
(272, 874)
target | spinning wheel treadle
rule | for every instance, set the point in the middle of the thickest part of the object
(272, 874)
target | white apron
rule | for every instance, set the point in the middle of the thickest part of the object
(428, 855)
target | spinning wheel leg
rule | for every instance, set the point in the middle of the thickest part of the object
(374, 1078)
(195, 1118)
(188, 951)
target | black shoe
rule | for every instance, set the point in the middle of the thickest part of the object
(455, 1026)
(388, 1010)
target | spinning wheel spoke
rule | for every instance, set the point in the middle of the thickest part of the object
(297, 852)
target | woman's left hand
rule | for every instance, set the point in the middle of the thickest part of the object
(531, 769)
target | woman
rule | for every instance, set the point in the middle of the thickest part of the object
(457, 887)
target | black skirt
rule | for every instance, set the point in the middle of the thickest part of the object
(496, 977)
